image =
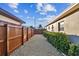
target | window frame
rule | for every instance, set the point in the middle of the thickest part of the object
(61, 26)
(52, 28)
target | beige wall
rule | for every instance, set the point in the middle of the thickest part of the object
(71, 24)
(55, 25)
(6, 19)
(48, 28)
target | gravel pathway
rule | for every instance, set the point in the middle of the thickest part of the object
(36, 46)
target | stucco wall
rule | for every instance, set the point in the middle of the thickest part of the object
(72, 24)
(50, 28)
(6, 19)
(55, 25)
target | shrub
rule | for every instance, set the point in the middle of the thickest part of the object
(73, 50)
(59, 40)
(77, 51)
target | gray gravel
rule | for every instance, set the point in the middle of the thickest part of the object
(36, 46)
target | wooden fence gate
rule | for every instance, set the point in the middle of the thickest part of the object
(38, 31)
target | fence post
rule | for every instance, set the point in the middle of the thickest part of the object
(22, 35)
(27, 34)
(6, 40)
(31, 32)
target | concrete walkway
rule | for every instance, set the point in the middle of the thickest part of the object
(36, 46)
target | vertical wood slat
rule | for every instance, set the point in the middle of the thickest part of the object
(31, 32)
(6, 40)
(2, 40)
(22, 35)
(27, 34)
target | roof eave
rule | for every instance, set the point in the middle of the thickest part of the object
(67, 11)
(6, 13)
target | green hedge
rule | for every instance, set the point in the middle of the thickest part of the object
(73, 50)
(61, 42)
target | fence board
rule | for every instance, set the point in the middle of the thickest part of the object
(32, 32)
(14, 38)
(2, 39)
(38, 31)
(25, 34)
(29, 33)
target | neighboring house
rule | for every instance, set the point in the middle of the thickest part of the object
(8, 18)
(67, 22)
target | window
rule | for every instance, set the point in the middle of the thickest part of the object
(52, 27)
(49, 27)
(61, 26)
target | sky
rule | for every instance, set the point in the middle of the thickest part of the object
(35, 14)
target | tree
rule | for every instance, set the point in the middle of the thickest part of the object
(40, 26)
(31, 27)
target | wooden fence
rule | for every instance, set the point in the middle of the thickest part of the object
(11, 37)
(2, 39)
(38, 31)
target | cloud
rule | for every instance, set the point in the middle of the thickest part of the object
(20, 16)
(28, 17)
(26, 11)
(44, 8)
(42, 13)
(49, 7)
(39, 6)
(31, 6)
(51, 18)
(15, 10)
(46, 20)
(13, 5)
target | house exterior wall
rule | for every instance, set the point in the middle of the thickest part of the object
(49, 29)
(6, 19)
(71, 24)
(55, 25)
